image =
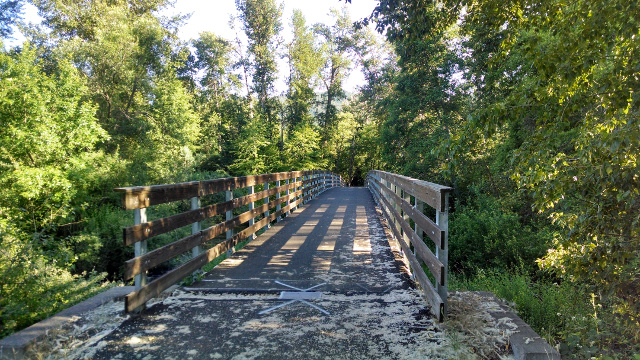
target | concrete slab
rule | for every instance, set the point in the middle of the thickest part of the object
(526, 343)
(16, 346)
(228, 326)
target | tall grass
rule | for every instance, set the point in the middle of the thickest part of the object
(565, 314)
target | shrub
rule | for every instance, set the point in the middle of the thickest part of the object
(33, 286)
(487, 234)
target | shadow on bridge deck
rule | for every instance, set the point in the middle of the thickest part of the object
(323, 283)
(335, 243)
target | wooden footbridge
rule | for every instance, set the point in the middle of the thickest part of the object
(251, 204)
(304, 267)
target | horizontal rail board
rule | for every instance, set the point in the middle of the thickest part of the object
(144, 196)
(147, 230)
(156, 257)
(430, 293)
(430, 193)
(430, 228)
(425, 254)
(156, 287)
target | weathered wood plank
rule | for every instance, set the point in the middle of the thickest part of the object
(425, 254)
(430, 193)
(432, 230)
(158, 256)
(156, 287)
(437, 305)
(150, 229)
(144, 196)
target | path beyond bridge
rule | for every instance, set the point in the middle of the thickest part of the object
(325, 282)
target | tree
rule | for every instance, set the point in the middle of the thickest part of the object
(213, 58)
(557, 82)
(10, 13)
(47, 121)
(302, 150)
(262, 24)
(48, 127)
(422, 111)
(251, 149)
(304, 62)
(127, 55)
(338, 42)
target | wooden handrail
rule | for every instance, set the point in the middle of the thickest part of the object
(302, 186)
(138, 197)
(393, 194)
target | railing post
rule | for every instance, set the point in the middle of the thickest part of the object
(324, 182)
(286, 182)
(229, 216)
(296, 189)
(419, 206)
(196, 227)
(266, 201)
(396, 206)
(312, 184)
(442, 220)
(278, 197)
(405, 217)
(251, 207)
(140, 248)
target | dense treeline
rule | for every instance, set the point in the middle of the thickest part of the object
(528, 109)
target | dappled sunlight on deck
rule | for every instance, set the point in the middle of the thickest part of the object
(330, 240)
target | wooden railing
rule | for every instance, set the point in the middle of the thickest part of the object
(402, 200)
(291, 189)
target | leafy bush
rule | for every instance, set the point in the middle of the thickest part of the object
(33, 286)
(487, 234)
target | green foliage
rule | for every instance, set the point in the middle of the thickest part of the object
(422, 110)
(305, 61)
(302, 150)
(565, 314)
(486, 233)
(563, 88)
(251, 149)
(213, 57)
(47, 139)
(544, 118)
(48, 125)
(173, 131)
(548, 307)
(337, 45)
(10, 14)
(262, 23)
(34, 286)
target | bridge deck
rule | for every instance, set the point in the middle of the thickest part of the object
(322, 283)
(336, 243)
